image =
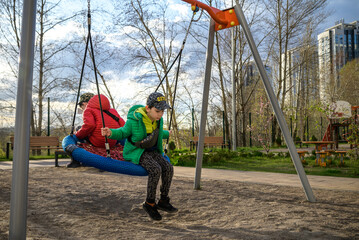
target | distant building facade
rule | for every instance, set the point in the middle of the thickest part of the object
(252, 74)
(301, 73)
(336, 46)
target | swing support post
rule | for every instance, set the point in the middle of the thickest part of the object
(202, 128)
(214, 26)
(275, 105)
(20, 170)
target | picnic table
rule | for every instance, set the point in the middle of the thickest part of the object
(319, 144)
(320, 153)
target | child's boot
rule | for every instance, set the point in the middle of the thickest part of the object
(151, 209)
(73, 164)
(165, 205)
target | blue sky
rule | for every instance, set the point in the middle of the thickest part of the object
(347, 9)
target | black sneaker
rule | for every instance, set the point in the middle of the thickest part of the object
(165, 205)
(74, 164)
(152, 211)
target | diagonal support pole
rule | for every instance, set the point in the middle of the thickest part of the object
(202, 127)
(275, 105)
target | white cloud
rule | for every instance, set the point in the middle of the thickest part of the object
(125, 90)
(65, 32)
(129, 29)
(180, 9)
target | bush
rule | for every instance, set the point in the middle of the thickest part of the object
(313, 138)
(185, 160)
(257, 153)
(218, 156)
(243, 154)
(297, 139)
(353, 155)
(2, 154)
(281, 154)
(278, 141)
(314, 152)
(171, 146)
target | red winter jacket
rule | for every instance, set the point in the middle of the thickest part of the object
(92, 125)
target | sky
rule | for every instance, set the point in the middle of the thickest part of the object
(347, 9)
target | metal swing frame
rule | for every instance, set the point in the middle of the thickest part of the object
(225, 19)
(19, 188)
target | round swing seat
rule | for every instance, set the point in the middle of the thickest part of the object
(69, 144)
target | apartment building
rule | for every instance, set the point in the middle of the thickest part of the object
(336, 46)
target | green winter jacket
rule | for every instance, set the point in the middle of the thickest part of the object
(136, 129)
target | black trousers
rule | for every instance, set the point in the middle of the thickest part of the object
(157, 166)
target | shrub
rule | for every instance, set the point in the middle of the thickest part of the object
(185, 160)
(281, 154)
(314, 152)
(171, 146)
(257, 153)
(2, 154)
(313, 138)
(243, 154)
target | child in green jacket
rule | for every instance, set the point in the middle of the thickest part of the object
(144, 133)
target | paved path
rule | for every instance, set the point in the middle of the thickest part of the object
(319, 182)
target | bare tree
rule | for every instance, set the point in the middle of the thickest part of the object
(50, 76)
(153, 35)
(303, 80)
(288, 19)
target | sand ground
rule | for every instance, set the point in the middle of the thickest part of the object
(85, 203)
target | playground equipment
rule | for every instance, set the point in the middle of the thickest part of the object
(103, 163)
(69, 143)
(220, 20)
(341, 115)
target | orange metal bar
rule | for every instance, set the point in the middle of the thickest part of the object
(211, 11)
(230, 17)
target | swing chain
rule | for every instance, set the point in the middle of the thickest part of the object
(179, 54)
(89, 13)
(199, 15)
(187, 32)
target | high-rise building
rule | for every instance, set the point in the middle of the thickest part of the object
(336, 46)
(301, 73)
(252, 73)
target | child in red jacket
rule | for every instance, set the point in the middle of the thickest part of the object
(92, 124)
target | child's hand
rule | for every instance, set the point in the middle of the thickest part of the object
(170, 132)
(106, 132)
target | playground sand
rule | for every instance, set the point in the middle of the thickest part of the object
(85, 203)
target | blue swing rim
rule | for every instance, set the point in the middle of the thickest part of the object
(69, 144)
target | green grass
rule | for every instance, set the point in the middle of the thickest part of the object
(250, 159)
(254, 160)
(34, 157)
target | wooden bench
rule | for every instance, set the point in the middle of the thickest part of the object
(301, 144)
(341, 154)
(321, 156)
(40, 143)
(211, 142)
